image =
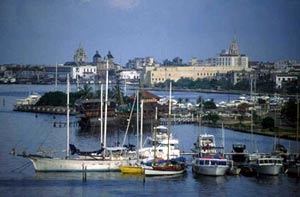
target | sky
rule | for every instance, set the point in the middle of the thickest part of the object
(50, 31)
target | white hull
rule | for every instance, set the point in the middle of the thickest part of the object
(210, 170)
(267, 169)
(267, 165)
(152, 172)
(67, 165)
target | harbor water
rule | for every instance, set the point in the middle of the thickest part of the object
(29, 132)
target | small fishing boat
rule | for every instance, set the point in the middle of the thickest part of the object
(212, 165)
(266, 164)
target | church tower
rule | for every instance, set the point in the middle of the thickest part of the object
(80, 57)
(234, 49)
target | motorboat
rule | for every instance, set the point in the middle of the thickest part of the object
(266, 164)
(212, 165)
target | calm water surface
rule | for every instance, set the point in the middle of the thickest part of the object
(28, 132)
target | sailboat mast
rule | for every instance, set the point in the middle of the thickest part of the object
(68, 117)
(141, 130)
(297, 135)
(101, 114)
(137, 119)
(155, 137)
(106, 100)
(251, 96)
(169, 119)
(56, 76)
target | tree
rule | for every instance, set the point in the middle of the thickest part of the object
(209, 104)
(53, 99)
(211, 117)
(86, 92)
(289, 111)
(268, 123)
(116, 94)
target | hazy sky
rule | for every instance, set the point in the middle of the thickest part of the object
(49, 31)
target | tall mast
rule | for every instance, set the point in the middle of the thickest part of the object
(251, 89)
(169, 119)
(101, 114)
(68, 117)
(56, 77)
(141, 130)
(297, 135)
(155, 137)
(106, 100)
(137, 119)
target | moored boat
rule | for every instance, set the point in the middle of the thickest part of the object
(267, 164)
(212, 165)
(108, 159)
(126, 169)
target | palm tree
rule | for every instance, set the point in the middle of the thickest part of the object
(86, 92)
(116, 94)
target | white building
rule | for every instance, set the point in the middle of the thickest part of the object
(232, 57)
(86, 72)
(129, 74)
(139, 63)
(281, 79)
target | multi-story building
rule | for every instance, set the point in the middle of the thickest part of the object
(230, 60)
(232, 57)
(281, 79)
(129, 75)
(140, 63)
(154, 75)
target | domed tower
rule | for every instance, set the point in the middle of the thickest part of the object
(234, 49)
(97, 58)
(80, 56)
(110, 57)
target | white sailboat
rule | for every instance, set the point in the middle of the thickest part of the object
(109, 159)
(169, 166)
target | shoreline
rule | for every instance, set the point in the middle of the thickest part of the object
(283, 135)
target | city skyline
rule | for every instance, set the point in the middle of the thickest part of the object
(49, 32)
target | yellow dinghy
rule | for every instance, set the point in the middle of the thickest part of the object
(131, 169)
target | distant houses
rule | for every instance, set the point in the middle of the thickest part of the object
(146, 71)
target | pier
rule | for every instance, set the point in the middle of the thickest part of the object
(44, 109)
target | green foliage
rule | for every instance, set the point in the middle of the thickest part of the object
(268, 123)
(53, 99)
(86, 92)
(57, 99)
(242, 85)
(211, 117)
(289, 111)
(209, 104)
(206, 83)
